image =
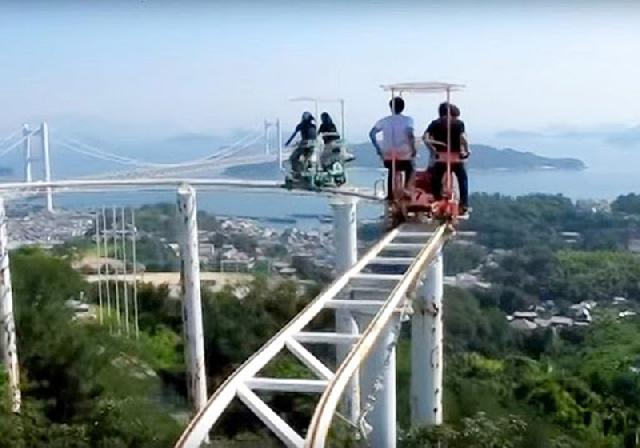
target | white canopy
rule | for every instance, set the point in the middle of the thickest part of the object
(422, 87)
(318, 100)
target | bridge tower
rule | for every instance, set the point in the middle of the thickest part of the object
(43, 133)
(46, 166)
(26, 132)
(270, 126)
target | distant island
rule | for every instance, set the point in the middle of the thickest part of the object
(483, 157)
(5, 171)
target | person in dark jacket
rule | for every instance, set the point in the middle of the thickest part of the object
(330, 136)
(327, 129)
(308, 134)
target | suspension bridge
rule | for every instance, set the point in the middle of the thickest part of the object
(399, 279)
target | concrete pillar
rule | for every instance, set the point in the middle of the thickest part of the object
(346, 255)
(8, 340)
(427, 348)
(44, 134)
(191, 302)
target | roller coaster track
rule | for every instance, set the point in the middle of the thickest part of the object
(408, 250)
(174, 182)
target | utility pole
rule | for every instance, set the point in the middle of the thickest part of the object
(125, 285)
(346, 255)
(191, 301)
(44, 134)
(427, 348)
(7, 320)
(114, 229)
(98, 244)
(105, 241)
(134, 235)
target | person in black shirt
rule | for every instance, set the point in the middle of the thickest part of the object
(330, 136)
(435, 138)
(307, 130)
(328, 128)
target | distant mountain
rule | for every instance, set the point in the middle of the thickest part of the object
(482, 158)
(485, 157)
(629, 137)
(614, 134)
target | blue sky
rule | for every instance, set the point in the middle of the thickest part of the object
(169, 67)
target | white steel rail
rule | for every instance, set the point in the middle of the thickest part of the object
(245, 380)
(172, 183)
(326, 408)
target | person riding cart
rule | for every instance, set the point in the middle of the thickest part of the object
(398, 143)
(308, 134)
(448, 128)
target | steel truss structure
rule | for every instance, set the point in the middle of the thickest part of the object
(377, 286)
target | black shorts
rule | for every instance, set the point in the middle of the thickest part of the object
(405, 166)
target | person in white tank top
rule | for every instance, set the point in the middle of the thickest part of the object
(397, 140)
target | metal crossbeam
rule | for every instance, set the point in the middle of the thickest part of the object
(322, 337)
(287, 385)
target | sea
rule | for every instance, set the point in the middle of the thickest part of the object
(285, 210)
(610, 171)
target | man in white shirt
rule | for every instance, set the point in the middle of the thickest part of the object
(397, 142)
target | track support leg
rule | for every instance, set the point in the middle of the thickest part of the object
(346, 250)
(427, 348)
(191, 302)
(8, 338)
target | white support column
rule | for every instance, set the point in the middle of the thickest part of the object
(378, 387)
(191, 303)
(8, 341)
(44, 134)
(427, 348)
(26, 133)
(346, 255)
(279, 135)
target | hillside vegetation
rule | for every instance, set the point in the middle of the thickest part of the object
(85, 386)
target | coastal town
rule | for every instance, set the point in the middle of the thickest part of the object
(235, 249)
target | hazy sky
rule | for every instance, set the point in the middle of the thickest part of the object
(214, 66)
